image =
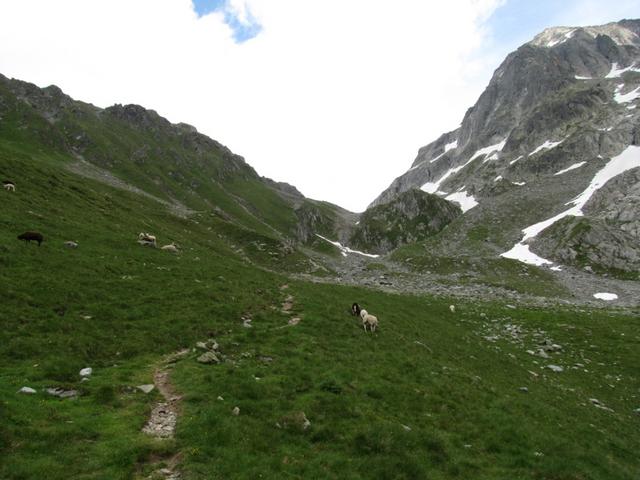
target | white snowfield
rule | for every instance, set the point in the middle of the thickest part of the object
(451, 146)
(432, 187)
(607, 297)
(466, 201)
(516, 159)
(627, 160)
(578, 77)
(548, 145)
(568, 169)
(626, 97)
(498, 178)
(617, 72)
(490, 149)
(521, 252)
(346, 250)
(519, 183)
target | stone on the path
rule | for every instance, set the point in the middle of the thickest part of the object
(86, 372)
(146, 388)
(235, 411)
(61, 392)
(555, 368)
(27, 390)
(162, 422)
(208, 357)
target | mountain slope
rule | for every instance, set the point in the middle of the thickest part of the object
(131, 146)
(556, 112)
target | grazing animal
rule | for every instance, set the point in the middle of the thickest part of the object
(9, 186)
(355, 310)
(452, 308)
(147, 240)
(28, 236)
(172, 247)
(71, 244)
(369, 320)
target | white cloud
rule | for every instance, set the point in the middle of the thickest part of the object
(329, 91)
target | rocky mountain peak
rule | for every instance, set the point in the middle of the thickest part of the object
(622, 33)
(557, 111)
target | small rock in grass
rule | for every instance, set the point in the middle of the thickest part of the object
(524, 389)
(555, 368)
(146, 388)
(85, 372)
(220, 398)
(406, 428)
(236, 411)
(27, 390)
(452, 308)
(61, 392)
(208, 357)
(294, 321)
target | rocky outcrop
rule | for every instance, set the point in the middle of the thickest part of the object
(410, 217)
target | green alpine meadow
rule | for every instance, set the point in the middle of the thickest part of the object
(168, 313)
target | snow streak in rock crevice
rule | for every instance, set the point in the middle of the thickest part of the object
(346, 250)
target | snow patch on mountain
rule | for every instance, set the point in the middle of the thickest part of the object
(548, 145)
(568, 169)
(466, 201)
(346, 250)
(626, 97)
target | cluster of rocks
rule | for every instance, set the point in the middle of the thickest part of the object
(211, 352)
(60, 392)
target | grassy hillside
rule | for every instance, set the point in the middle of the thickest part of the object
(433, 394)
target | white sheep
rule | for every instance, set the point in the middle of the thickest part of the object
(9, 186)
(172, 248)
(369, 320)
(452, 308)
(147, 240)
(71, 244)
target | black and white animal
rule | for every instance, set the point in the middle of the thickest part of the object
(9, 186)
(367, 320)
(71, 244)
(28, 236)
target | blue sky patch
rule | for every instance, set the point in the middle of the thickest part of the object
(243, 29)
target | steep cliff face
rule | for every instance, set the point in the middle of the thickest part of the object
(410, 217)
(556, 112)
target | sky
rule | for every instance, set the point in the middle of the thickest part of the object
(332, 96)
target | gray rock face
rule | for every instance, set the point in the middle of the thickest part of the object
(564, 100)
(409, 217)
